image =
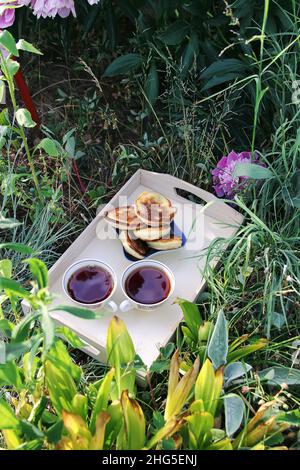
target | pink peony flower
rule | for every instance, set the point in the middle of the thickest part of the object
(42, 8)
(7, 18)
(51, 8)
(225, 183)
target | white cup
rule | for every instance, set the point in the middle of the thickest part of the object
(107, 303)
(129, 303)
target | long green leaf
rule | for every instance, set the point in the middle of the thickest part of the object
(101, 399)
(39, 271)
(10, 375)
(123, 65)
(152, 85)
(7, 41)
(234, 413)
(191, 316)
(218, 345)
(8, 419)
(13, 287)
(252, 170)
(78, 312)
(26, 46)
(19, 247)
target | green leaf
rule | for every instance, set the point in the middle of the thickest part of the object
(8, 419)
(280, 374)
(191, 316)
(291, 417)
(24, 118)
(168, 444)
(135, 426)
(119, 345)
(160, 365)
(80, 405)
(49, 146)
(22, 329)
(10, 375)
(234, 413)
(222, 67)
(61, 358)
(61, 386)
(252, 170)
(123, 65)
(13, 66)
(13, 287)
(112, 27)
(70, 146)
(48, 328)
(8, 42)
(218, 345)
(54, 433)
(175, 33)
(152, 85)
(38, 410)
(190, 54)
(6, 327)
(78, 312)
(102, 398)
(19, 247)
(234, 371)
(218, 80)
(15, 350)
(70, 336)
(5, 268)
(39, 271)
(36, 444)
(244, 351)
(30, 431)
(26, 46)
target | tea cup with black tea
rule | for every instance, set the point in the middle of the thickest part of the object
(146, 285)
(91, 283)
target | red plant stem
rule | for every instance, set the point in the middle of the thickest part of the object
(26, 97)
(82, 186)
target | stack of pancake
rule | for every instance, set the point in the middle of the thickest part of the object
(146, 224)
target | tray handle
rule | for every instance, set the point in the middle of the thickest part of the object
(214, 207)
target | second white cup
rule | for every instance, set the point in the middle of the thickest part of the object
(130, 303)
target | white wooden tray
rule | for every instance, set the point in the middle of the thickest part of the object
(201, 224)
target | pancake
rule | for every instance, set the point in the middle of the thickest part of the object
(154, 209)
(123, 218)
(166, 243)
(134, 247)
(152, 233)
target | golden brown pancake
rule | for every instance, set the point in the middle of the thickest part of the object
(123, 218)
(134, 247)
(152, 233)
(166, 243)
(154, 209)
